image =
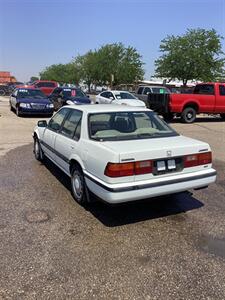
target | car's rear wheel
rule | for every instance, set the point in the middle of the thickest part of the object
(78, 186)
(38, 153)
(188, 115)
(168, 117)
(2, 92)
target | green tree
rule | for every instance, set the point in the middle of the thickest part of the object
(65, 73)
(124, 63)
(88, 67)
(33, 78)
(195, 55)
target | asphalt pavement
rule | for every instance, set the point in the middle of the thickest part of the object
(51, 248)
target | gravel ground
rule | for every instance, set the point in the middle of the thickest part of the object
(52, 248)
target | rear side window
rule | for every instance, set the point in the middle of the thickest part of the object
(204, 89)
(56, 121)
(140, 90)
(222, 90)
(71, 127)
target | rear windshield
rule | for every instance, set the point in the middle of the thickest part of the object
(116, 126)
(29, 93)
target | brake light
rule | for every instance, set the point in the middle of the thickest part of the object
(143, 167)
(119, 170)
(205, 158)
(197, 159)
(128, 169)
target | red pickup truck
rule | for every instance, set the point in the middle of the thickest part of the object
(207, 98)
(47, 86)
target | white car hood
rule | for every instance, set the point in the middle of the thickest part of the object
(131, 102)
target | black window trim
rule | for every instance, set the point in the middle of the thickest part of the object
(63, 122)
(57, 131)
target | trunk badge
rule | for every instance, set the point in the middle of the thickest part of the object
(169, 153)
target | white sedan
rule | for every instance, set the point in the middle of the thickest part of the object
(118, 97)
(122, 153)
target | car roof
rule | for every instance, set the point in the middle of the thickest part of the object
(101, 108)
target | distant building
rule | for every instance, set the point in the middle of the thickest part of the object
(6, 77)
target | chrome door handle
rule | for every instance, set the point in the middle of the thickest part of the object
(72, 147)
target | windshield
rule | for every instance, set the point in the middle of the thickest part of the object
(29, 93)
(124, 95)
(115, 126)
(68, 93)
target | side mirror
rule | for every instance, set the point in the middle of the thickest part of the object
(111, 98)
(42, 123)
(88, 96)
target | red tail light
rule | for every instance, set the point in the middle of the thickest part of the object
(128, 169)
(143, 167)
(197, 159)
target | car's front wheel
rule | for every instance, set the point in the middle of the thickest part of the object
(38, 153)
(78, 186)
(18, 113)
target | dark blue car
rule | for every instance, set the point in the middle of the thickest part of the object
(65, 96)
(30, 101)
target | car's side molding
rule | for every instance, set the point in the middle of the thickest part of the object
(54, 151)
(150, 185)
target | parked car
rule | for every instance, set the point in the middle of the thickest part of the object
(208, 98)
(63, 96)
(122, 153)
(30, 101)
(46, 86)
(143, 91)
(118, 97)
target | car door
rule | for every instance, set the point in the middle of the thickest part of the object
(110, 98)
(67, 141)
(51, 131)
(103, 98)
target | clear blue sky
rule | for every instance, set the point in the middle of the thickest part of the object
(35, 34)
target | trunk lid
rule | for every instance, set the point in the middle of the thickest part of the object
(156, 149)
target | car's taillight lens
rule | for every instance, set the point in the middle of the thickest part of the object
(197, 159)
(143, 167)
(128, 169)
(119, 170)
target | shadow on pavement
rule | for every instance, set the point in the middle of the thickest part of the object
(132, 212)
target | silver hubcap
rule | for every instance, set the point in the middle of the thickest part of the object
(77, 186)
(189, 115)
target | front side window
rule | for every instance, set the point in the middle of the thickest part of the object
(147, 91)
(105, 94)
(117, 126)
(56, 121)
(71, 126)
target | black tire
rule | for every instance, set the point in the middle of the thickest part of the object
(188, 115)
(168, 117)
(79, 189)
(222, 116)
(2, 92)
(18, 113)
(38, 153)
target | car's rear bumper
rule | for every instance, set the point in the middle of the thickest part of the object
(118, 193)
